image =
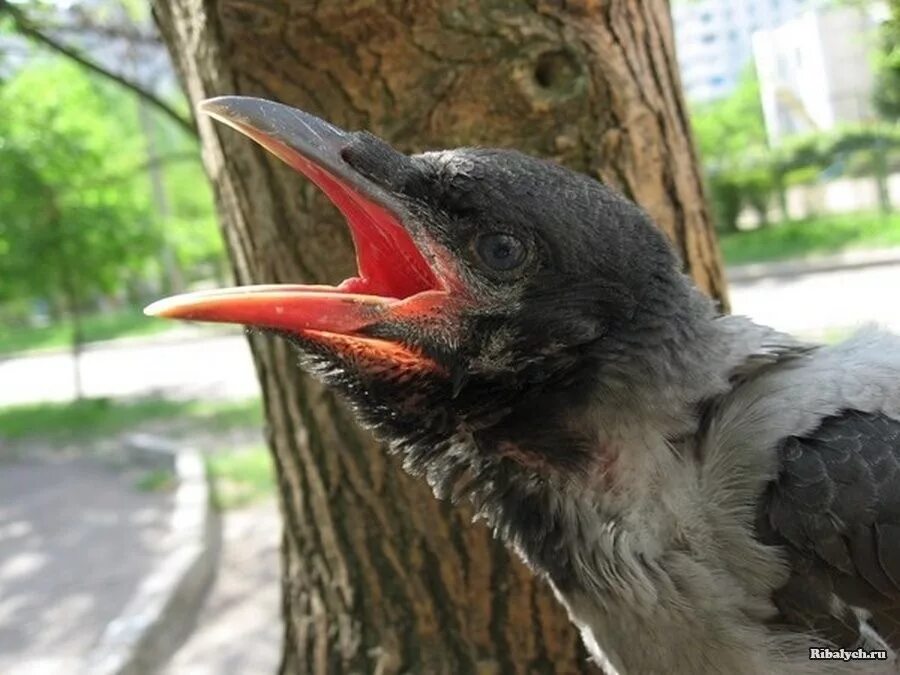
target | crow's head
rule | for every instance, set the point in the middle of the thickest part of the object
(493, 289)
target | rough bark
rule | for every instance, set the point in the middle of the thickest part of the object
(379, 576)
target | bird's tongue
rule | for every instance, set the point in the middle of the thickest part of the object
(392, 271)
(389, 263)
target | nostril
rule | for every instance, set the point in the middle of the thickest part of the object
(378, 161)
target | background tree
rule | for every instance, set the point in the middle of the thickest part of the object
(378, 576)
(70, 227)
(731, 136)
(116, 28)
(887, 85)
(85, 131)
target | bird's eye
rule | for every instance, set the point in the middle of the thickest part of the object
(499, 251)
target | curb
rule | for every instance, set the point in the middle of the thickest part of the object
(161, 613)
(792, 268)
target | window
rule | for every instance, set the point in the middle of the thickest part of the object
(708, 38)
(706, 17)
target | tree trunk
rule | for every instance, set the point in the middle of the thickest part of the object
(76, 342)
(379, 576)
(879, 154)
(71, 296)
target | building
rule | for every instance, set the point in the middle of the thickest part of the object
(815, 71)
(714, 39)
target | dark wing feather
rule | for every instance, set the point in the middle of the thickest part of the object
(835, 507)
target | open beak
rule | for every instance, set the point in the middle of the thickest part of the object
(394, 277)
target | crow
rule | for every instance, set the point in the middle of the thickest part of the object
(703, 494)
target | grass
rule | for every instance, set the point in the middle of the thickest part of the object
(157, 480)
(100, 416)
(242, 477)
(104, 326)
(239, 477)
(810, 237)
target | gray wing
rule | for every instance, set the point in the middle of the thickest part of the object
(835, 507)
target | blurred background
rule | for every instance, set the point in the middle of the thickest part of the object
(104, 207)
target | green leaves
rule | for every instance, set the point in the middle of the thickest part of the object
(887, 86)
(742, 171)
(78, 213)
(58, 230)
(728, 129)
(731, 137)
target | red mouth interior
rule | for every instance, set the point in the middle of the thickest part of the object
(389, 262)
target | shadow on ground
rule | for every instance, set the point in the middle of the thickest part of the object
(239, 628)
(76, 538)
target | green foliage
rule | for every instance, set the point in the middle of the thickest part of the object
(743, 172)
(852, 150)
(100, 195)
(727, 129)
(191, 228)
(731, 137)
(64, 229)
(887, 84)
(820, 150)
(812, 236)
(733, 189)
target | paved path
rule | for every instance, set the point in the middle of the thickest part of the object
(76, 538)
(239, 628)
(823, 303)
(217, 366)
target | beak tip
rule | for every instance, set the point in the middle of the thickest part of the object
(214, 104)
(156, 309)
(220, 107)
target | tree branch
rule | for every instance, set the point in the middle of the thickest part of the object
(24, 26)
(113, 32)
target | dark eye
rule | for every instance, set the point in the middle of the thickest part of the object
(502, 252)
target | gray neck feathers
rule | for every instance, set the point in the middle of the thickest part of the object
(641, 487)
(630, 540)
(631, 543)
(673, 355)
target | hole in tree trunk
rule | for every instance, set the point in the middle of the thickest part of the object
(557, 72)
